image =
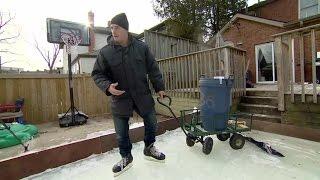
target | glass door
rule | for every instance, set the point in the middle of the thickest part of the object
(265, 63)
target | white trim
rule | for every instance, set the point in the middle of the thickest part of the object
(251, 18)
(255, 60)
(293, 62)
(299, 14)
(273, 60)
(318, 6)
(257, 67)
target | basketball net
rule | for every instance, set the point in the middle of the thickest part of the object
(70, 40)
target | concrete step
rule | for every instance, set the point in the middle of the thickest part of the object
(259, 109)
(262, 93)
(263, 117)
(272, 101)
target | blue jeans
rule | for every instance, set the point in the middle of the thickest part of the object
(121, 125)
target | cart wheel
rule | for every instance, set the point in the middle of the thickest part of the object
(190, 142)
(237, 141)
(207, 145)
(223, 137)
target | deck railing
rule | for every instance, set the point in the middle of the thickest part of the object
(292, 48)
(182, 73)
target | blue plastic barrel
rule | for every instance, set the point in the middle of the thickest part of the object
(215, 103)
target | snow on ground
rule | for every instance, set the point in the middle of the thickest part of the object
(302, 161)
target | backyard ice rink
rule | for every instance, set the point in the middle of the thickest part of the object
(302, 161)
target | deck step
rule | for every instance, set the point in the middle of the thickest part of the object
(272, 101)
(264, 117)
(262, 93)
(259, 109)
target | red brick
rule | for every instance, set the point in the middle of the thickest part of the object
(250, 34)
(280, 10)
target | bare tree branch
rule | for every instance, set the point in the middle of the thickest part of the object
(2, 22)
(7, 51)
(50, 60)
(55, 54)
(4, 37)
(40, 51)
(8, 38)
(7, 62)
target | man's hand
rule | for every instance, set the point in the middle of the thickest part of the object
(112, 89)
(161, 94)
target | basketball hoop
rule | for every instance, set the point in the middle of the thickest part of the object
(70, 34)
(70, 39)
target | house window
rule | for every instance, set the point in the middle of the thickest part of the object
(309, 8)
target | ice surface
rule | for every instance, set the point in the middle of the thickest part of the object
(302, 161)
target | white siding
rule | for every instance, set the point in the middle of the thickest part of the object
(74, 53)
(101, 40)
(86, 64)
(75, 68)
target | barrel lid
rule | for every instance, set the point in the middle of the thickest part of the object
(216, 80)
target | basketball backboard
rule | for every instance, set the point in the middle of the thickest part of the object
(56, 27)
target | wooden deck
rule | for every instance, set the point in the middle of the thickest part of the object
(297, 88)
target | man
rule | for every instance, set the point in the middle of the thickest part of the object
(121, 71)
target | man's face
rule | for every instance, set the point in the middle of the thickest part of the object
(119, 34)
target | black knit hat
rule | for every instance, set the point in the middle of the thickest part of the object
(121, 20)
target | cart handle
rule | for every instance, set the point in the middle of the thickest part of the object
(164, 96)
(167, 106)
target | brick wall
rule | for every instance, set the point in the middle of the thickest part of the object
(250, 33)
(91, 32)
(279, 10)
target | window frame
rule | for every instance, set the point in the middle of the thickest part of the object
(299, 10)
(273, 64)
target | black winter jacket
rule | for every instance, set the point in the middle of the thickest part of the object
(130, 66)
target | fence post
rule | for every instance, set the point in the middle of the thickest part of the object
(227, 68)
(301, 47)
(291, 65)
(313, 52)
(280, 69)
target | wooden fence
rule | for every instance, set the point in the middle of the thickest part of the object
(182, 73)
(285, 46)
(165, 46)
(48, 95)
